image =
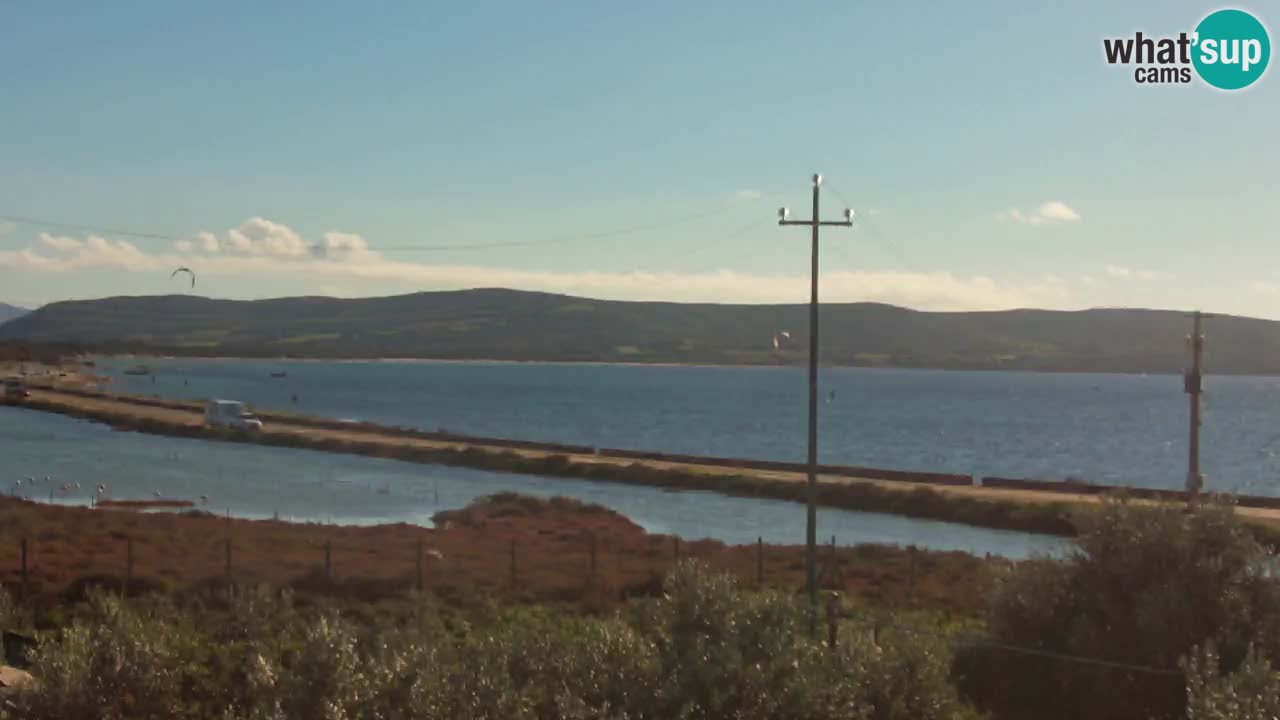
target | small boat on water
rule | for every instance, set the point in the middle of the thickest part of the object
(138, 370)
(280, 374)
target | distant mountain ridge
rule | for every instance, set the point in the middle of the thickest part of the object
(514, 325)
(9, 312)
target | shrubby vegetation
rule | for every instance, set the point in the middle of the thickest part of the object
(702, 650)
(1147, 586)
(1251, 692)
(1159, 613)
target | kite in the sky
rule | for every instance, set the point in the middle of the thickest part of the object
(187, 271)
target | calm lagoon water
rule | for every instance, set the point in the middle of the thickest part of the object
(1120, 429)
(258, 481)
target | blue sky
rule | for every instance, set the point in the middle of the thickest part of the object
(263, 129)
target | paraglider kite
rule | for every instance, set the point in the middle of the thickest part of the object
(184, 270)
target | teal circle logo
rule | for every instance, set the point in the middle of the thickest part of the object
(1231, 49)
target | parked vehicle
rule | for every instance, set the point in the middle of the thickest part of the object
(230, 414)
(14, 389)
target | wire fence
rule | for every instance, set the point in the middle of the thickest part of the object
(586, 568)
(40, 567)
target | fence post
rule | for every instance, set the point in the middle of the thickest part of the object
(759, 561)
(328, 560)
(832, 602)
(911, 575)
(592, 537)
(419, 583)
(24, 568)
(513, 564)
(128, 575)
(831, 562)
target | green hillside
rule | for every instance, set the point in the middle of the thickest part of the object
(513, 325)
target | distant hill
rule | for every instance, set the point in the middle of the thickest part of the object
(513, 325)
(9, 312)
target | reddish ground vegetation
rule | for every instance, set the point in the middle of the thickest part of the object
(467, 560)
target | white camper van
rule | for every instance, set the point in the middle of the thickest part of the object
(231, 414)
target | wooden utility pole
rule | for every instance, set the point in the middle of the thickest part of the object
(1193, 384)
(811, 522)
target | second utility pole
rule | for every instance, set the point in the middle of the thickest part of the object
(811, 524)
(1193, 383)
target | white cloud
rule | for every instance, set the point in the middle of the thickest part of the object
(66, 254)
(208, 241)
(259, 236)
(346, 246)
(265, 248)
(1265, 288)
(56, 242)
(750, 194)
(1053, 211)
(1120, 272)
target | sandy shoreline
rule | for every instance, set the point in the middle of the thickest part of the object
(438, 361)
(800, 363)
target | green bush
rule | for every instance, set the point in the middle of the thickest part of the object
(724, 654)
(116, 664)
(1146, 586)
(1251, 692)
(701, 650)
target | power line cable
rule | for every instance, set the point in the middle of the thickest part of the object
(451, 247)
(874, 233)
(974, 639)
(59, 225)
(715, 243)
(658, 225)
